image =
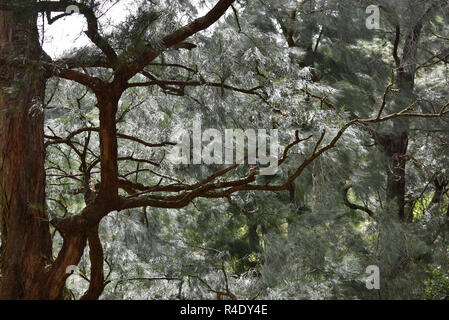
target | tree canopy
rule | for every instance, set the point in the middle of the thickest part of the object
(362, 122)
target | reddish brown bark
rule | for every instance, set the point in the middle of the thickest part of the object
(97, 282)
(107, 103)
(26, 243)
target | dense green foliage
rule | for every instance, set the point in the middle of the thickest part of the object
(303, 243)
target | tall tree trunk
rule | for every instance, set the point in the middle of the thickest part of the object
(396, 143)
(25, 236)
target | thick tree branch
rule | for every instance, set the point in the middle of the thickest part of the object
(96, 284)
(126, 72)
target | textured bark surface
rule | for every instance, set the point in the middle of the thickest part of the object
(396, 148)
(26, 242)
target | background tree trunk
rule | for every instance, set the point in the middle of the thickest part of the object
(396, 143)
(395, 147)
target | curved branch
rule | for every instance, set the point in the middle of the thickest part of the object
(354, 206)
(97, 284)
